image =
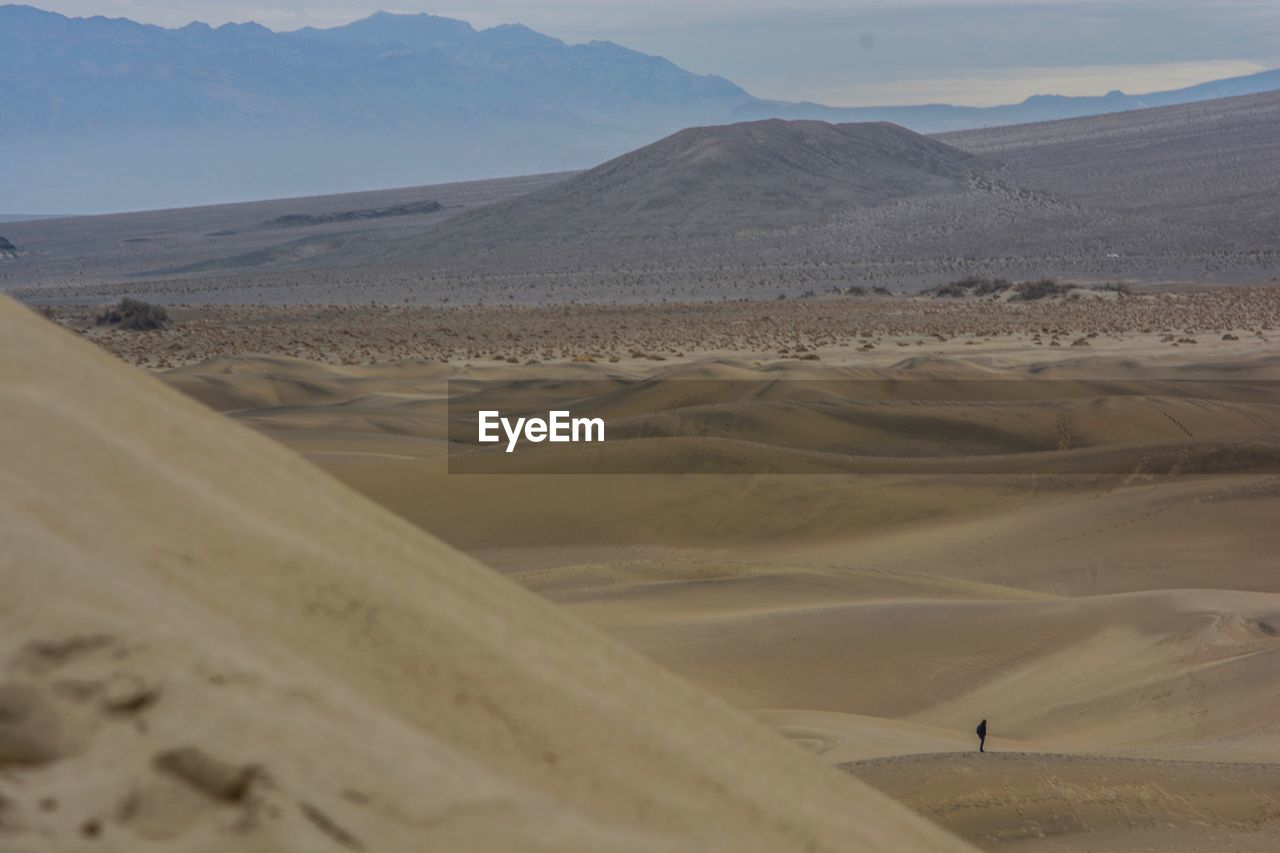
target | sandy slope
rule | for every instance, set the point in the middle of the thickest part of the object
(1134, 671)
(1054, 802)
(1122, 632)
(209, 644)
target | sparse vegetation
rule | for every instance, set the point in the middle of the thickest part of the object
(971, 286)
(1023, 291)
(1029, 291)
(294, 220)
(135, 315)
(548, 334)
(1114, 287)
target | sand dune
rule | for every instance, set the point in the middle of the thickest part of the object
(1038, 801)
(839, 739)
(1120, 632)
(1120, 673)
(358, 418)
(208, 643)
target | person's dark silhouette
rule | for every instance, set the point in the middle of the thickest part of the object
(982, 736)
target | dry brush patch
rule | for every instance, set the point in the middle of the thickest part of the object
(794, 328)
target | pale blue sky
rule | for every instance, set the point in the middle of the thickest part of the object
(856, 52)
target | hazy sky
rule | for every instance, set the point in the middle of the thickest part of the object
(848, 53)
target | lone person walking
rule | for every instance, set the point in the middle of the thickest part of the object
(982, 736)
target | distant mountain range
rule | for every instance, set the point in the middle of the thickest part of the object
(107, 114)
(939, 118)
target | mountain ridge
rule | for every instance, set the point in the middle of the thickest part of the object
(389, 100)
(939, 118)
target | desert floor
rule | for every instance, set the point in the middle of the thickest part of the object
(864, 330)
(1120, 633)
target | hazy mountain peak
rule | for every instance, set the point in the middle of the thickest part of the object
(421, 29)
(520, 28)
(398, 99)
(247, 27)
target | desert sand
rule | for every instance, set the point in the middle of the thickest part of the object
(211, 644)
(263, 608)
(1120, 632)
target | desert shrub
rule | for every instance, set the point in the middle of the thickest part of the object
(1044, 288)
(881, 290)
(990, 286)
(952, 289)
(1114, 287)
(135, 315)
(971, 286)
